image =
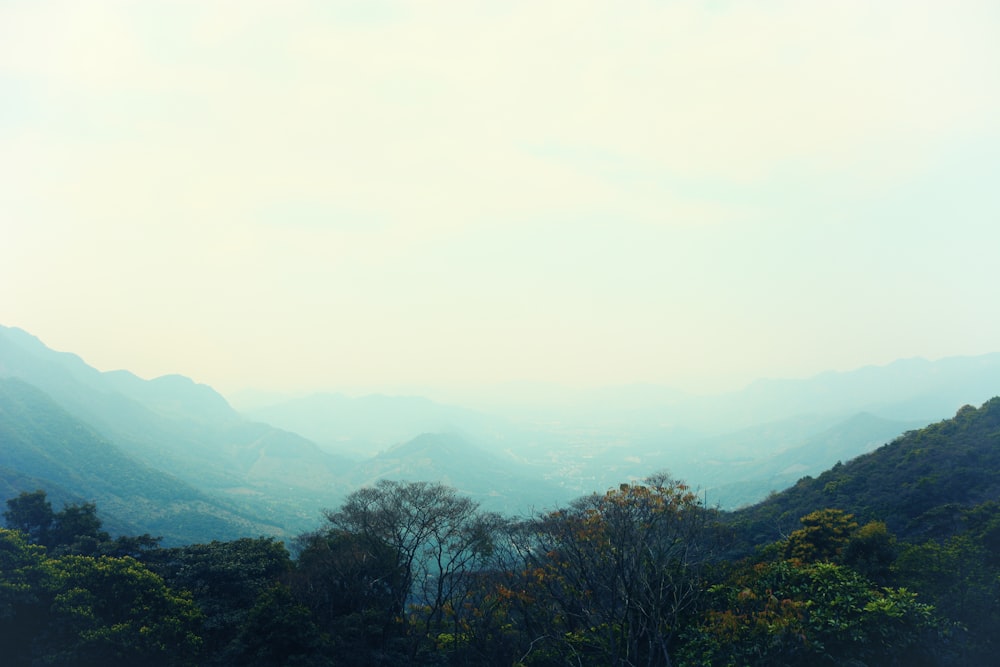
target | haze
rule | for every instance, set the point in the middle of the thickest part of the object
(306, 195)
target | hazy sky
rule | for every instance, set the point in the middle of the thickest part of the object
(379, 194)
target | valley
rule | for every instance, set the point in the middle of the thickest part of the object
(270, 470)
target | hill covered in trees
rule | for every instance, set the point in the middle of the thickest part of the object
(920, 484)
(889, 559)
(45, 446)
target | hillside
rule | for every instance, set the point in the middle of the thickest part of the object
(187, 431)
(45, 447)
(917, 484)
(497, 483)
(274, 476)
(777, 458)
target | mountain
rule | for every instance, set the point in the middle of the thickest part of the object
(906, 389)
(173, 395)
(188, 431)
(280, 465)
(498, 483)
(44, 447)
(903, 390)
(917, 484)
(737, 447)
(274, 477)
(364, 426)
(772, 457)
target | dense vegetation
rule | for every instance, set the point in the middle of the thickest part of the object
(892, 559)
(921, 485)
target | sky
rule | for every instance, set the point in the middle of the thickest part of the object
(367, 195)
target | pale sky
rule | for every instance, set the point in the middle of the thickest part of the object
(320, 195)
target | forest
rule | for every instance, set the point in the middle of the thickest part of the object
(892, 558)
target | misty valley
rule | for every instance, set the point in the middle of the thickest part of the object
(391, 333)
(848, 518)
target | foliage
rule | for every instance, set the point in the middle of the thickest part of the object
(114, 611)
(279, 631)
(957, 576)
(226, 580)
(350, 585)
(84, 610)
(31, 513)
(76, 529)
(823, 536)
(889, 562)
(917, 485)
(431, 538)
(871, 551)
(788, 613)
(26, 582)
(618, 572)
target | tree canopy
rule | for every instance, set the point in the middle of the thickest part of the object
(414, 573)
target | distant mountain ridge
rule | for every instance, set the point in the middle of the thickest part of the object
(261, 478)
(905, 389)
(495, 481)
(364, 426)
(279, 480)
(62, 373)
(186, 430)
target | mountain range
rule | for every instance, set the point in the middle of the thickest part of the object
(172, 457)
(45, 447)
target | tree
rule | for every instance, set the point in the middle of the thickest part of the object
(226, 580)
(871, 551)
(802, 614)
(31, 513)
(81, 610)
(350, 584)
(823, 536)
(618, 572)
(76, 529)
(957, 578)
(436, 537)
(114, 611)
(26, 584)
(279, 631)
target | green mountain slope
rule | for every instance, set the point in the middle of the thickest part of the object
(43, 446)
(917, 484)
(188, 431)
(762, 471)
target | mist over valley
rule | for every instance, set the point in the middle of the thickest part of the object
(213, 472)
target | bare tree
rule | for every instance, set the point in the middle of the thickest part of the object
(439, 539)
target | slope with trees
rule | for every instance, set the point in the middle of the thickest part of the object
(73, 462)
(410, 573)
(919, 485)
(185, 430)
